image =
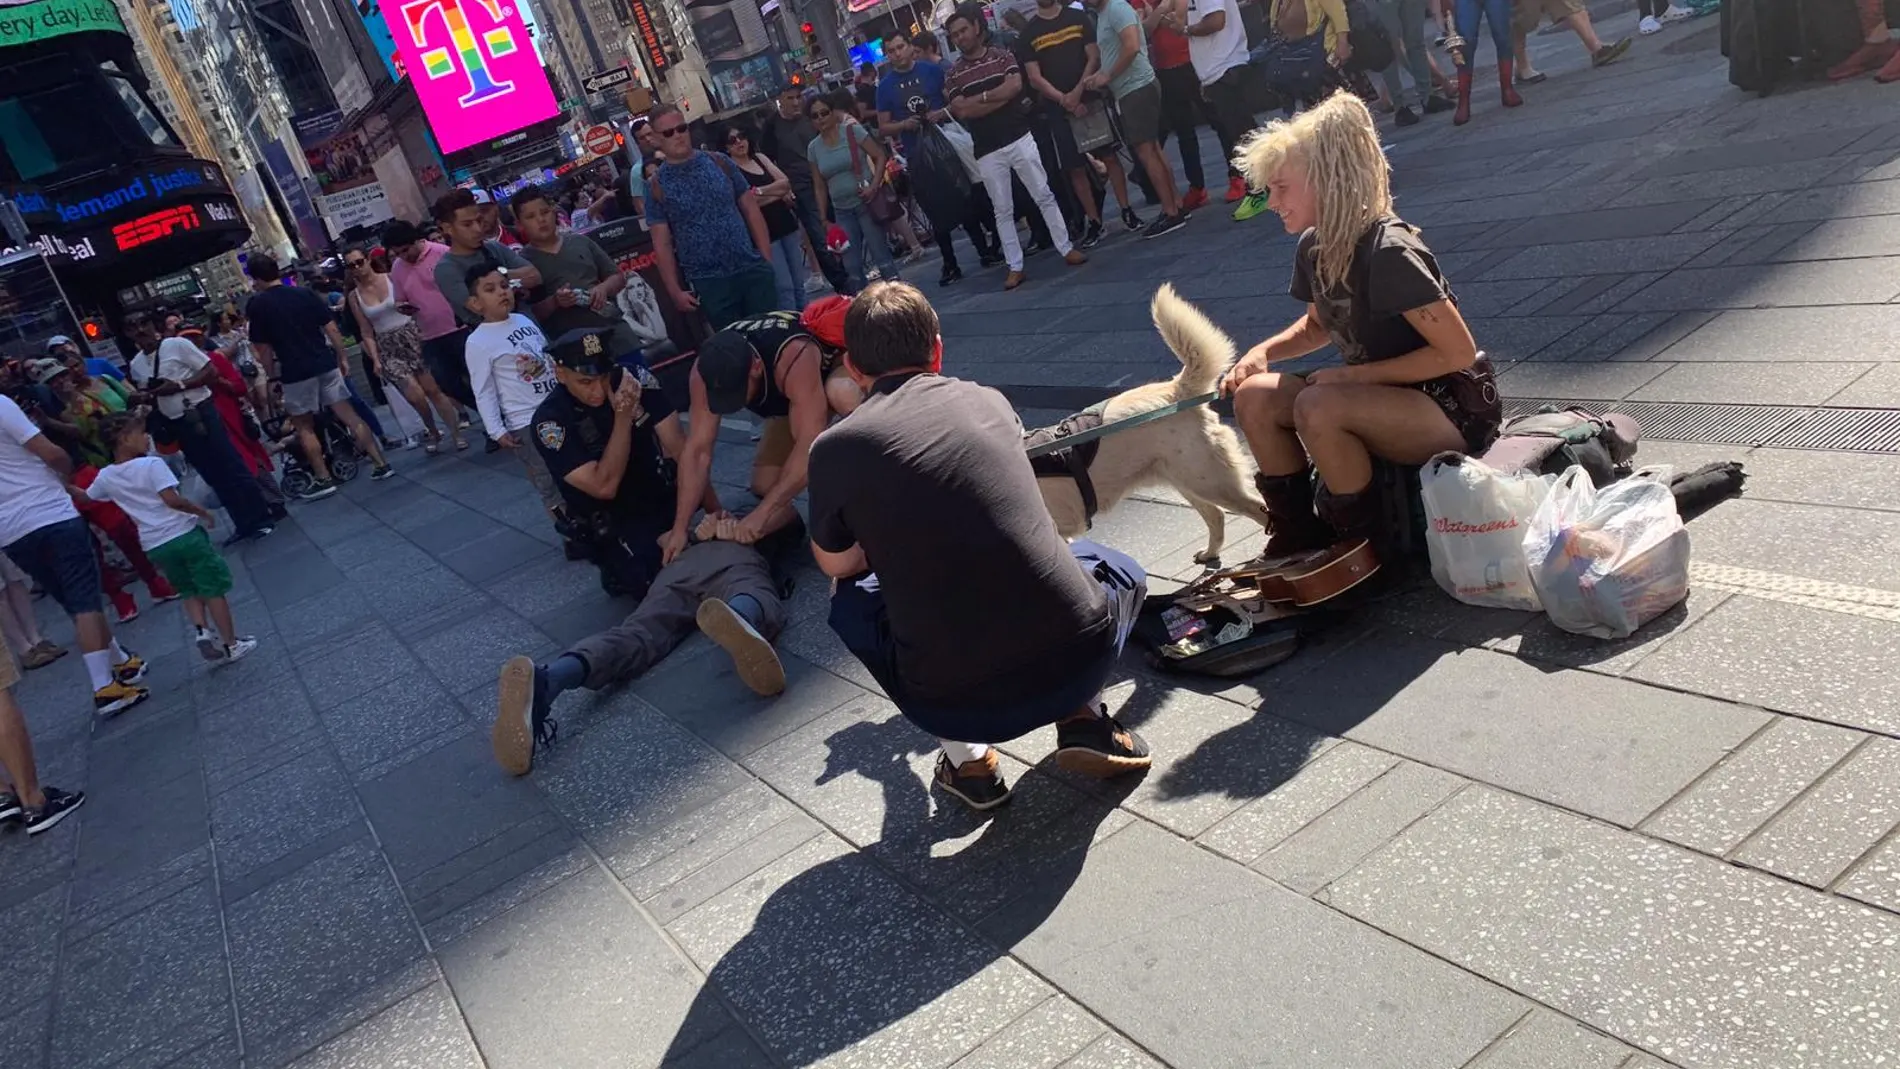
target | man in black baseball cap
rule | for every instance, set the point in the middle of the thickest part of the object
(610, 436)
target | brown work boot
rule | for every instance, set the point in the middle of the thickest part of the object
(1075, 258)
(1292, 525)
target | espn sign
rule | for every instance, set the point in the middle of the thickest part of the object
(156, 226)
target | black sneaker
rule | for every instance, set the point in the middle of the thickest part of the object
(58, 805)
(1436, 103)
(1164, 224)
(991, 259)
(1100, 747)
(522, 723)
(1091, 235)
(319, 488)
(1131, 221)
(1406, 117)
(384, 472)
(950, 277)
(981, 787)
(10, 809)
(1036, 248)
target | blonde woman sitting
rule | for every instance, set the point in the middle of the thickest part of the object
(1413, 384)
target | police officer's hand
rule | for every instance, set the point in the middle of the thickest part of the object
(626, 396)
(672, 544)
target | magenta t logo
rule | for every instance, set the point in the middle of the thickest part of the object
(441, 62)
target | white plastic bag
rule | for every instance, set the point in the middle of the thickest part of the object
(966, 148)
(1475, 522)
(1607, 561)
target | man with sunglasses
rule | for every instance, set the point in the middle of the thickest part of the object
(784, 138)
(709, 236)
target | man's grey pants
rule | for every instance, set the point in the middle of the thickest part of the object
(1405, 21)
(665, 617)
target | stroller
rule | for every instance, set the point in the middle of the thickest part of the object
(340, 452)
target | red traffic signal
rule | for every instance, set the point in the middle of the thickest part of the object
(92, 329)
(808, 28)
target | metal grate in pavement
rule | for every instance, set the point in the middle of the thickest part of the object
(1852, 430)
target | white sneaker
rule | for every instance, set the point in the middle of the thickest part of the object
(1649, 25)
(236, 650)
(1677, 13)
(208, 645)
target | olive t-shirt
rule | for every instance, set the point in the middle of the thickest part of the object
(1392, 273)
(984, 600)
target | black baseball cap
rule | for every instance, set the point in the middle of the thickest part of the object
(588, 350)
(725, 366)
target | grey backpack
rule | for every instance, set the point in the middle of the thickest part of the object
(1548, 442)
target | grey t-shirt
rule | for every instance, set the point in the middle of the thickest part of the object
(451, 276)
(790, 136)
(579, 263)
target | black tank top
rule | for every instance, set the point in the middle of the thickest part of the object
(779, 220)
(768, 335)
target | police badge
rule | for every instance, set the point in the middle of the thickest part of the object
(552, 434)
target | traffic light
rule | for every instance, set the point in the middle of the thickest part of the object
(92, 330)
(811, 38)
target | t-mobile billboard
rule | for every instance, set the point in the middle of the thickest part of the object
(474, 67)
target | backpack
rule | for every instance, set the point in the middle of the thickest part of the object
(1549, 441)
(1372, 49)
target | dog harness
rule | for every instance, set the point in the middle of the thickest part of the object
(1071, 460)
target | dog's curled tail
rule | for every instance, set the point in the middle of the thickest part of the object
(1205, 350)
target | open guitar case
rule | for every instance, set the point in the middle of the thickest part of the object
(1262, 640)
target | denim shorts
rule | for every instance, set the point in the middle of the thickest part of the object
(60, 558)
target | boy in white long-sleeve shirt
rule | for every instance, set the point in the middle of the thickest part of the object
(510, 373)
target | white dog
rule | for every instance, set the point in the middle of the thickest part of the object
(1191, 451)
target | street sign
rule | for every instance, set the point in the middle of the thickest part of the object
(599, 140)
(594, 83)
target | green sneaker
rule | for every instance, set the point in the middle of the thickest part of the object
(1252, 205)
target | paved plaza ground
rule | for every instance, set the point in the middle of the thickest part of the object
(1440, 837)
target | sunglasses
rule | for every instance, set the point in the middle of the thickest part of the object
(733, 139)
(671, 131)
(819, 113)
(355, 263)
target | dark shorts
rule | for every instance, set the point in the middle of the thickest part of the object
(60, 558)
(1470, 400)
(1141, 114)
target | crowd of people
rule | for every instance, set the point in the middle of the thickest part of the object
(515, 322)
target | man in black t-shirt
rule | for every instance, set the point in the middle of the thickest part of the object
(610, 437)
(954, 588)
(1057, 50)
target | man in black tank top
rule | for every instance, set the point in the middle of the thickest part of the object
(774, 367)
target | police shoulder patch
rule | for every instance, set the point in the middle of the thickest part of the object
(645, 378)
(552, 434)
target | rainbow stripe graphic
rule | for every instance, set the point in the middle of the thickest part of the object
(441, 62)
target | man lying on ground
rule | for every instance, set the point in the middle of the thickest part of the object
(954, 588)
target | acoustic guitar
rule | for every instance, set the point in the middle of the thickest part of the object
(1299, 579)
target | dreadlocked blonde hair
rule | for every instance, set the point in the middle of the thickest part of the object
(1338, 148)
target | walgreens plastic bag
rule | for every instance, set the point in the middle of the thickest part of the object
(1605, 562)
(1475, 518)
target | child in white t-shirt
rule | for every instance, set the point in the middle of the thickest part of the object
(510, 372)
(171, 532)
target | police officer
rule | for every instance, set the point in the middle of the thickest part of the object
(609, 436)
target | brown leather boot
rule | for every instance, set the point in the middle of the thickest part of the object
(1354, 516)
(1292, 525)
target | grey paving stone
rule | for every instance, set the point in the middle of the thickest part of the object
(704, 836)
(1209, 928)
(1660, 252)
(1735, 181)
(1578, 381)
(1803, 540)
(1875, 879)
(402, 598)
(1685, 955)
(30, 938)
(1366, 820)
(1747, 383)
(1822, 335)
(392, 720)
(1545, 1040)
(1786, 657)
(336, 608)
(276, 812)
(1841, 239)
(548, 586)
(434, 810)
(219, 1053)
(1645, 221)
(722, 872)
(1878, 388)
(732, 1048)
(711, 702)
(473, 650)
(1844, 815)
(244, 682)
(1147, 531)
(606, 987)
(1542, 641)
(1325, 782)
(1865, 281)
(378, 551)
(1112, 1052)
(294, 575)
(343, 1013)
(98, 904)
(340, 668)
(23, 1028)
(1613, 749)
(906, 985)
(1739, 795)
(498, 553)
(314, 938)
(1043, 1038)
(424, 1031)
(153, 985)
(814, 641)
(1508, 340)
(131, 834)
(249, 734)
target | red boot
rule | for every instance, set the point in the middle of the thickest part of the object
(1505, 88)
(1463, 114)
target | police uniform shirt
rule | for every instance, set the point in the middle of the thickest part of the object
(570, 434)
